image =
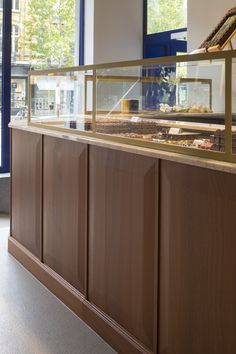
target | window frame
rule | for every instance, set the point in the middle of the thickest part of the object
(6, 86)
(81, 31)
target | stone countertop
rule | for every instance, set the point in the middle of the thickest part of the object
(164, 155)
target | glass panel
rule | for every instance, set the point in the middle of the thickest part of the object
(178, 104)
(44, 34)
(165, 15)
(63, 100)
(234, 106)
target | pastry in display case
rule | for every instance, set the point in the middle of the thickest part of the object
(176, 103)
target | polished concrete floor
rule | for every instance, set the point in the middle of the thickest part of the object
(32, 320)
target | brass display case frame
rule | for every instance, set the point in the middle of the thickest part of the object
(226, 56)
(142, 80)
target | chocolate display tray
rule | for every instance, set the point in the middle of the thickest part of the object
(182, 136)
(209, 118)
(118, 127)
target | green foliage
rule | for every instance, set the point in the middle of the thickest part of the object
(164, 15)
(50, 31)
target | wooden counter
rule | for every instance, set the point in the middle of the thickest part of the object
(138, 243)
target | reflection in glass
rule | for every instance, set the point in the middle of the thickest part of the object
(62, 99)
(179, 104)
(44, 34)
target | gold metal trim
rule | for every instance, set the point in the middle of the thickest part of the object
(94, 101)
(228, 106)
(29, 100)
(163, 60)
(213, 155)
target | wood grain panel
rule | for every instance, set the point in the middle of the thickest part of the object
(64, 215)
(197, 262)
(26, 189)
(123, 240)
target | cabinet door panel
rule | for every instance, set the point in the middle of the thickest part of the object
(65, 174)
(197, 261)
(123, 239)
(26, 187)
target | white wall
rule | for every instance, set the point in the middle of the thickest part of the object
(113, 30)
(203, 16)
(89, 32)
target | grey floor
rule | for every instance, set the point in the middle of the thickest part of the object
(32, 320)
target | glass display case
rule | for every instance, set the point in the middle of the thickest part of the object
(182, 104)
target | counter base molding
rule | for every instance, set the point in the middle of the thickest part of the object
(116, 336)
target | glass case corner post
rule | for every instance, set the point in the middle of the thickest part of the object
(6, 86)
(94, 101)
(29, 98)
(228, 106)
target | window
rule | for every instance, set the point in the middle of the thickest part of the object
(47, 33)
(0, 39)
(1, 137)
(165, 31)
(166, 15)
(14, 39)
(15, 5)
(165, 34)
(5, 49)
(52, 42)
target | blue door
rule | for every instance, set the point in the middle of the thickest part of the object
(167, 43)
(164, 43)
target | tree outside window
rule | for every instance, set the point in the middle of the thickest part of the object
(165, 15)
(50, 32)
(44, 33)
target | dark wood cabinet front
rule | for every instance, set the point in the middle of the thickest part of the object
(64, 209)
(197, 261)
(149, 243)
(26, 190)
(123, 240)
